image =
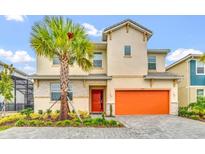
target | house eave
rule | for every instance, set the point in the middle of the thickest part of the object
(123, 23)
(71, 77)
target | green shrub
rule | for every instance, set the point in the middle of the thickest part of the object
(34, 123)
(66, 122)
(57, 111)
(48, 123)
(87, 122)
(11, 118)
(183, 111)
(195, 117)
(76, 123)
(113, 123)
(60, 123)
(27, 112)
(97, 121)
(40, 112)
(48, 111)
(21, 123)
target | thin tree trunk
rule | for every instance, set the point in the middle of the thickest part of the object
(64, 79)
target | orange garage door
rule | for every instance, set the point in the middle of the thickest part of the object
(132, 102)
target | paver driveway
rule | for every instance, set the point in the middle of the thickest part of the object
(136, 127)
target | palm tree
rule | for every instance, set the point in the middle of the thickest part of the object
(202, 58)
(56, 36)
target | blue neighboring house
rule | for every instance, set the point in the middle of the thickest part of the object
(192, 84)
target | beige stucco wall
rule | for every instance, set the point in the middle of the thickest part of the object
(120, 65)
(183, 91)
(42, 94)
(139, 83)
(81, 92)
(160, 62)
(45, 66)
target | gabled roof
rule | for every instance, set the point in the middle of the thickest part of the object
(183, 59)
(160, 51)
(123, 23)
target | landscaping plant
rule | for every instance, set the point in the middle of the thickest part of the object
(28, 119)
(27, 112)
(61, 38)
(6, 85)
(195, 110)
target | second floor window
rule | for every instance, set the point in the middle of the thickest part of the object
(152, 62)
(200, 68)
(97, 59)
(56, 61)
(127, 50)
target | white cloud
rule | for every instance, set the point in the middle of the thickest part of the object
(18, 56)
(92, 30)
(180, 53)
(28, 69)
(19, 18)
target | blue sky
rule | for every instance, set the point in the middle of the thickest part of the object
(181, 34)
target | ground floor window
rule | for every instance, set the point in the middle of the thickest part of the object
(200, 92)
(55, 91)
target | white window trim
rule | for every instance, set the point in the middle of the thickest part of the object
(197, 67)
(55, 64)
(69, 90)
(53, 91)
(197, 94)
(130, 51)
(152, 63)
(102, 60)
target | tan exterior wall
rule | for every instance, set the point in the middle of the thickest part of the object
(183, 84)
(81, 92)
(126, 72)
(160, 62)
(140, 83)
(136, 64)
(45, 66)
(42, 94)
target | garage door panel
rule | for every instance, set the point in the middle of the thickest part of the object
(142, 102)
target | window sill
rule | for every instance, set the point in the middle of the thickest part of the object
(51, 102)
(127, 56)
(97, 68)
(200, 73)
(152, 70)
(55, 65)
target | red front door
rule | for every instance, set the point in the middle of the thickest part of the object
(97, 100)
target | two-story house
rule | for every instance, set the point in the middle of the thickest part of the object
(193, 83)
(126, 76)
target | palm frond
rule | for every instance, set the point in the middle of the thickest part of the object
(49, 38)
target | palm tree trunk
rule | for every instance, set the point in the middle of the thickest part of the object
(64, 79)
